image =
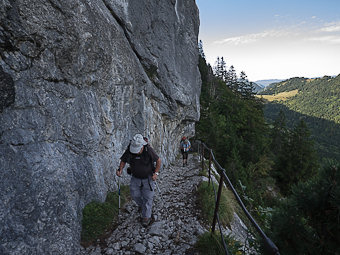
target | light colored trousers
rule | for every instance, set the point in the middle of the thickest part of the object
(142, 192)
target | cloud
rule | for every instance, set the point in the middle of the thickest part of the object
(303, 31)
(328, 33)
(250, 38)
(331, 27)
(333, 39)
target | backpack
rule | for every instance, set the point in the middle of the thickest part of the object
(153, 166)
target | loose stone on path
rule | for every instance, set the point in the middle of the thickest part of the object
(176, 225)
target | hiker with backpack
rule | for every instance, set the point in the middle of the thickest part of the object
(185, 147)
(142, 159)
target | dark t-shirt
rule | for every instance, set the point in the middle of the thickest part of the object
(141, 165)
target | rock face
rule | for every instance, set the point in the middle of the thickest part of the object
(78, 78)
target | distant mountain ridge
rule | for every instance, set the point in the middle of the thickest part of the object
(265, 83)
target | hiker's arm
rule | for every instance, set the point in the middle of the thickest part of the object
(121, 167)
(158, 166)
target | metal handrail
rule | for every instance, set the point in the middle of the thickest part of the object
(216, 215)
(270, 247)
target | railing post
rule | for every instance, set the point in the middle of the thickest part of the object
(210, 165)
(202, 157)
(217, 202)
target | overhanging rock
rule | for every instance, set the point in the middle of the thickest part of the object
(82, 77)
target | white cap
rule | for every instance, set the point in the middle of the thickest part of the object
(137, 143)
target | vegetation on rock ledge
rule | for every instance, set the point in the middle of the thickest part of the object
(98, 218)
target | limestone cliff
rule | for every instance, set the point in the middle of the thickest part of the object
(78, 78)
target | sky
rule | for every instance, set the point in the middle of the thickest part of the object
(272, 39)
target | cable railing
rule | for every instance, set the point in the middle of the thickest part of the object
(269, 246)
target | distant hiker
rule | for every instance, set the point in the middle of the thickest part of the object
(141, 158)
(185, 147)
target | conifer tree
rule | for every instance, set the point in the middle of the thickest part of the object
(246, 88)
(220, 68)
(216, 67)
(231, 79)
(250, 90)
(242, 84)
(200, 49)
(297, 159)
(223, 70)
(307, 222)
(278, 133)
(304, 157)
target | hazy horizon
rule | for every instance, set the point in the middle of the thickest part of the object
(273, 40)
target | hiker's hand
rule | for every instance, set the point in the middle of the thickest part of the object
(154, 177)
(119, 172)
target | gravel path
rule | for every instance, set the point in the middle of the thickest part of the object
(176, 224)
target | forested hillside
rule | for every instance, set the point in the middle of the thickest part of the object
(318, 97)
(325, 133)
(317, 102)
(273, 166)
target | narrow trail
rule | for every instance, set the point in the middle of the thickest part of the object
(176, 226)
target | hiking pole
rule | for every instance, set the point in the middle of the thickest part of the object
(159, 191)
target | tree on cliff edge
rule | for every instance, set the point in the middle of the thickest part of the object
(297, 159)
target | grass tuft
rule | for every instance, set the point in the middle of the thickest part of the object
(211, 244)
(98, 218)
(206, 200)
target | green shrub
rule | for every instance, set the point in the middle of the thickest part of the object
(211, 244)
(207, 202)
(98, 217)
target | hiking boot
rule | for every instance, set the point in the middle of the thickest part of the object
(146, 222)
